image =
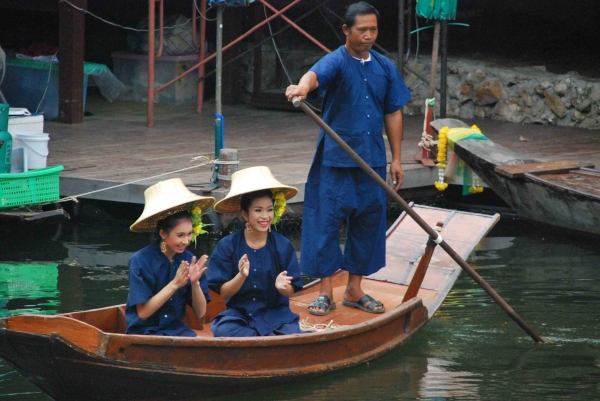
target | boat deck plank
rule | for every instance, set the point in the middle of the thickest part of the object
(578, 182)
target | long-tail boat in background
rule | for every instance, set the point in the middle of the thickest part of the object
(559, 193)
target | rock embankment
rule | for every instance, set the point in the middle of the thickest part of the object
(515, 94)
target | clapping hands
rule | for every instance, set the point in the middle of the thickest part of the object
(190, 271)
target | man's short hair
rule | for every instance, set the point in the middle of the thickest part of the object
(360, 8)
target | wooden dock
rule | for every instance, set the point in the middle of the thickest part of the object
(113, 146)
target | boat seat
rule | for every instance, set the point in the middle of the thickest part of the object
(191, 320)
(121, 322)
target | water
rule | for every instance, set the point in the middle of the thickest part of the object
(471, 350)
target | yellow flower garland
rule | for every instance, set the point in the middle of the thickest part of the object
(442, 155)
(197, 225)
(441, 158)
(279, 205)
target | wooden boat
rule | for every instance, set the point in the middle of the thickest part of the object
(85, 355)
(33, 215)
(562, 193)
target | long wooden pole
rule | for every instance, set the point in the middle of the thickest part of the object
(432, 233)
(434, 58)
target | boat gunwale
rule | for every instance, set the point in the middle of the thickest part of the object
(265, 341)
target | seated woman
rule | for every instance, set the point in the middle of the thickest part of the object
(255, 270)
(164, 276)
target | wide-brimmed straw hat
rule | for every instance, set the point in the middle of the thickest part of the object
(250, 180)
(166, 198)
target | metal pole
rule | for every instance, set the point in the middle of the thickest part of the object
(219, 58)
(415, 216)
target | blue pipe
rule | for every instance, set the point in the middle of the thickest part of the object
(219, 134)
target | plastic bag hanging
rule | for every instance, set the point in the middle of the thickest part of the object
(436, 9)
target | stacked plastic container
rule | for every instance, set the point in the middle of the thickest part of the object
(5, 140)
(28, 182)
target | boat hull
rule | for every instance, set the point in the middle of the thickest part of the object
(144, 367)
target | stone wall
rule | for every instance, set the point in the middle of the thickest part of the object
(477, 89)
(515, 94)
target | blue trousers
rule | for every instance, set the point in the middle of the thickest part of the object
(237, 327)
(334, 196)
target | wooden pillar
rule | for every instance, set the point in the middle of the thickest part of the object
(71, 50)
(233, 28)
(401, 19)
(444, 70)
(257, 36)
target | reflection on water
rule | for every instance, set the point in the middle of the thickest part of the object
(471, 350)
(21, 283)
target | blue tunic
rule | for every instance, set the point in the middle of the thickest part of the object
(257, 309)
(357, 96)
(149, 272)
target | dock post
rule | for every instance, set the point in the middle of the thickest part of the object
(228, 164)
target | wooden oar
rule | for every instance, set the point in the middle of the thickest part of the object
(432, 233)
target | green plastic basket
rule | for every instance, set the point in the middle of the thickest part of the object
(36, 186)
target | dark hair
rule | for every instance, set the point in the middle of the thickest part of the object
(247, 199)
(170, 222)
(360, 8)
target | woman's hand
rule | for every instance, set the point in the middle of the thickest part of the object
(282, 281)
(244, 266)
(197, 268)
(183, 275)
(231, 287)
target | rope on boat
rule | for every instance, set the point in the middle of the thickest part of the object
(305, 325)
(205, 160)
(427, 141)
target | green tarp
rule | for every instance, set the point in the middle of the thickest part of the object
(436, 9)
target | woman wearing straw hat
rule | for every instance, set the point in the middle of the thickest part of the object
(255, 270)
(164, 276)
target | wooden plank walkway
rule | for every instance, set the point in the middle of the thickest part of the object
(113, 146)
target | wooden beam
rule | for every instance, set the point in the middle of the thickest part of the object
(71, 50)
(553, 167)
(30, 5)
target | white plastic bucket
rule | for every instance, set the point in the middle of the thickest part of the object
(36, 146)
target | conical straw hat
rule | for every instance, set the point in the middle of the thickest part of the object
(166, 198)
(250, 180)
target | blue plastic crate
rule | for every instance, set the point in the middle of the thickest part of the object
(25, 82)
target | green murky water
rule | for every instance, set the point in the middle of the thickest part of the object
(470, 350)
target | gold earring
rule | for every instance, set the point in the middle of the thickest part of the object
(163, 246)
(269, 228)
(248, 227)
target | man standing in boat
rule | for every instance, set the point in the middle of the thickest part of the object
(362, 92)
